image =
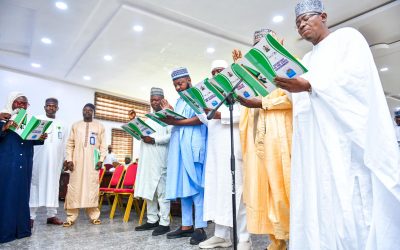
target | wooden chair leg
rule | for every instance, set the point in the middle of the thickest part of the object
(142, 212)
(128, 208)
(114, 207)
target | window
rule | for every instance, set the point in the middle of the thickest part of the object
(122, 144)
(114, 108)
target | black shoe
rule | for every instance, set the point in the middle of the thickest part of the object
(160, 230)
(179, 233)
(198, 236)
(146, 226)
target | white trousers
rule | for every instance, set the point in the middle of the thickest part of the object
(153, 214)
(51, 212)
(225, 232)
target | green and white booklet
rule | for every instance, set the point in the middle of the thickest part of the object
(137, 128)
(29, 127)
(167, 112)
(271, 59)
(163, 114)
(206, 95)
(187, 97)
(227, 79)
(258, 68)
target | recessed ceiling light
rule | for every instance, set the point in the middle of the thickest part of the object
(36, 65)
(277, 19)
(210, 50)
(384, 69)
(87, 78)
(107, 57)
(138, 28)
(61, 5)
(46, 40)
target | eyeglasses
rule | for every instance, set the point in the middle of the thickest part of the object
(305, 18)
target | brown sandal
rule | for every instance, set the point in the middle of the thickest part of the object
(96, 222)
(68, 224)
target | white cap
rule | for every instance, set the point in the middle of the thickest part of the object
(219, 64)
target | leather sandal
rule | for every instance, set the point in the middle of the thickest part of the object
(96, 222)
(68, 224)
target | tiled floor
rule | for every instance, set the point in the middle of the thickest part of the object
(111, 234)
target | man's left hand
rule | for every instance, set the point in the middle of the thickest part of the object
(294, 85)
(250, 103)
(148, 139)
(99, 165)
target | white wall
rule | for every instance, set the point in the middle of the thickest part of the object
(71, 98)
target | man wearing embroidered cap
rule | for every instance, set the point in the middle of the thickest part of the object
(267, 157)
(186, 156)
(345, 175)
(83, 188)
(218, 180)
(152, 171)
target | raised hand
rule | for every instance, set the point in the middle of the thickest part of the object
(236, 55)
(166, 105)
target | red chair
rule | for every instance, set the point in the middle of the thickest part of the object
(112, 185)
(127, 189)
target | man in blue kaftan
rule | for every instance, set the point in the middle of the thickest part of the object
(186, 158)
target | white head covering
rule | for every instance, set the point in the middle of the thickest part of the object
(156, 92)
(11, 98)
(179, 73)
(219, 64)
(307, 6)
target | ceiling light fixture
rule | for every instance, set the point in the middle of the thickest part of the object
(277, 19)
(61, 5)
(107, 57)
(87, 78)
(46, 40)
(36, 65)
(384, 69)
(210, 50)
(138, 28)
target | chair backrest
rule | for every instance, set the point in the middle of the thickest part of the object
(116, 177)
(130, 176)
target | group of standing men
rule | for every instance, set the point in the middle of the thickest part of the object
(320, 176)
(30, 175)
(312, 167)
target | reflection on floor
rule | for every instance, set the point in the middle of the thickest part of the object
(111, 234)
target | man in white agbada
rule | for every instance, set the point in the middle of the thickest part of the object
(397, 125)
(110, 157)
(152, 172)
(218, 179)
(47, 165)
(345, 180)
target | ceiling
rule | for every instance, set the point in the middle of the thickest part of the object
(175, 33)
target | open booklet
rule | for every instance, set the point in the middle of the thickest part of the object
(29, 127)
(258, 68)
(138, 128)
(163, 114)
